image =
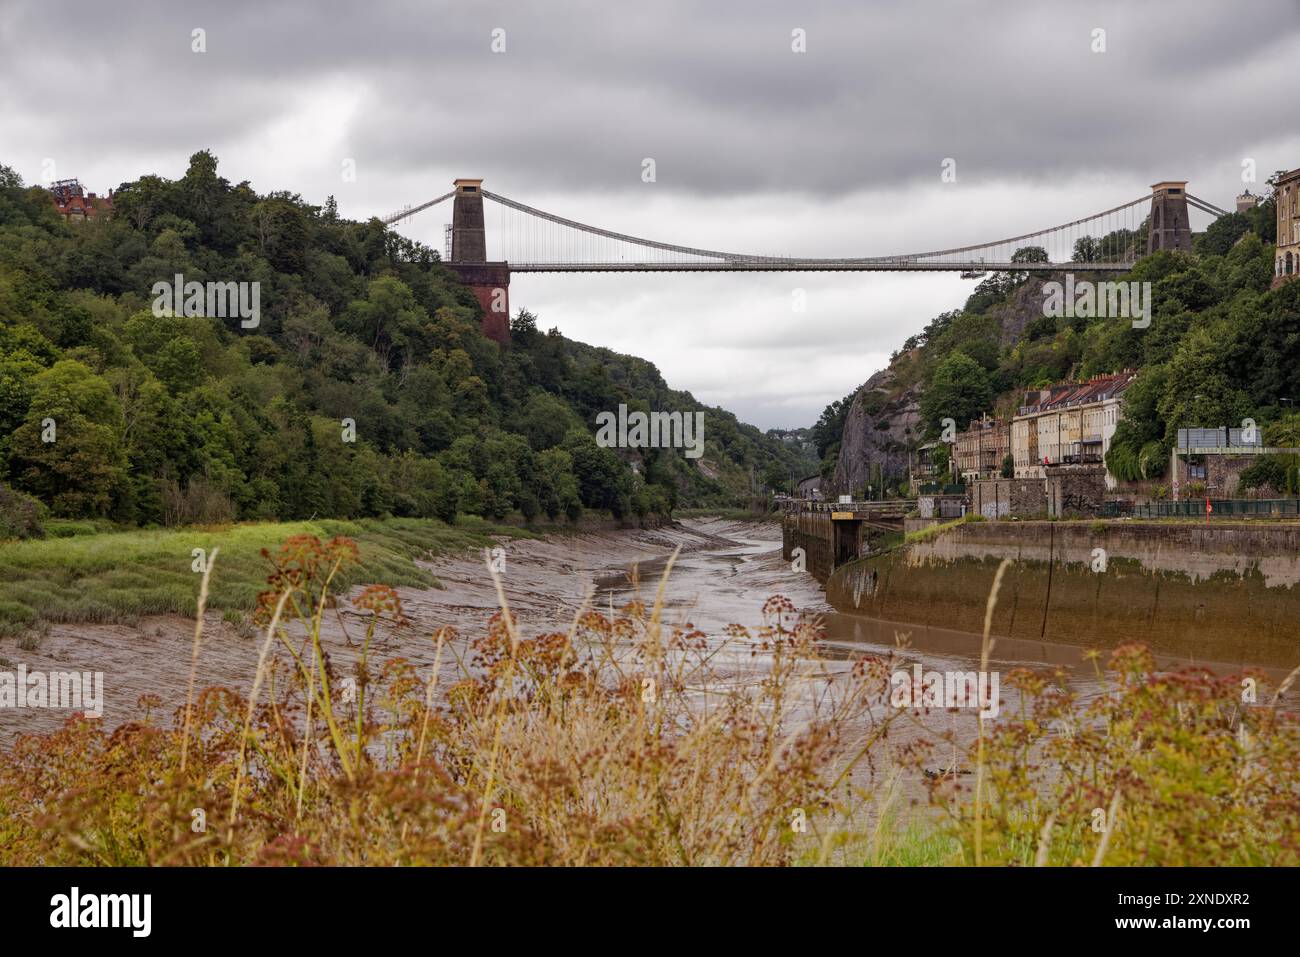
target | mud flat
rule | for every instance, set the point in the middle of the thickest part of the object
(724, 572)
(546, 582)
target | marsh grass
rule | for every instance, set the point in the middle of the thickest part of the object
(934, 531)
(95, 576)
(898, 841)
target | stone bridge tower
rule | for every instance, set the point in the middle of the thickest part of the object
(490, 282)
(1170, 227)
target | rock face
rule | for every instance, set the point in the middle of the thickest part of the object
(1023, 306)
(882, 424)
(878, 433)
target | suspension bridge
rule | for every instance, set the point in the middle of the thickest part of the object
(530, 240)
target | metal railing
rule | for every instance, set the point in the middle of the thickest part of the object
(892, 506)
(934, 488)
(1195, 508)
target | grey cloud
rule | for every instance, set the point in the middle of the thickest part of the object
(860, 123)
(714, 93)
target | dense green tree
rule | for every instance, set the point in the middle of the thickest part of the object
(958, 390)
(601, 475)
(1223, 233)
(68, 450)
(545, 419)
(366, 389)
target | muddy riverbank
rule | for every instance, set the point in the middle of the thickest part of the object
(724, 572)
(546, 582)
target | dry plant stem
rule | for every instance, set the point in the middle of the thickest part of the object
(1104, 843)
(428, 709)
(248, 717)
(429, 694)
(477, 852)
(656, 644)
(327, 704)
(194, 655)
(361, 690)
(657, 613)
(306, 741)
(1285, 685)
(317, 667)
(1045, 840)
(891, 793)
(986, 647)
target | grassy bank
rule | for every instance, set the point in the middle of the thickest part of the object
(934, 531)
(88, 575)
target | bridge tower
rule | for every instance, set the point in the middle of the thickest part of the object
(490, 282)
(1170, 226)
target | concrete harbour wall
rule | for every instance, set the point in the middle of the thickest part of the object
(1223, 592)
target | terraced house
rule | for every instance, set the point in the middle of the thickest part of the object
(981, 449)
(1071, 423)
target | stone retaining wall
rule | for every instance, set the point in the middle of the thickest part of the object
(1223, 592)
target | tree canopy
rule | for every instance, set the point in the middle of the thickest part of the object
(366, 388)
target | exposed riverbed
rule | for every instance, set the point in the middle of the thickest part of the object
(724, 573)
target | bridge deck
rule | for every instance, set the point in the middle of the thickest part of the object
(855, 511)
(813, 265)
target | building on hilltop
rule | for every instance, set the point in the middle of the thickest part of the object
(75, 205)
(1068, 425)
(1247, 200)
(1287, 196)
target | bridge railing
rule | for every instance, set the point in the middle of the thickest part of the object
(896, 506)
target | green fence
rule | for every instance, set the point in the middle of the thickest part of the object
(1195, 508)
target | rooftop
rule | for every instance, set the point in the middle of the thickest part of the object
(1069, 394)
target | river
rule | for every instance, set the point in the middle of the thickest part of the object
(724, 572)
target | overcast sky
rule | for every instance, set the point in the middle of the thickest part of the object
(835, 151)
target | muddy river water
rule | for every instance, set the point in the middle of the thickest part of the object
(723, 574)
(728, 579)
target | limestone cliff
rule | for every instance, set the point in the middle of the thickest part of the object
(1022, 307)
(879, 430)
